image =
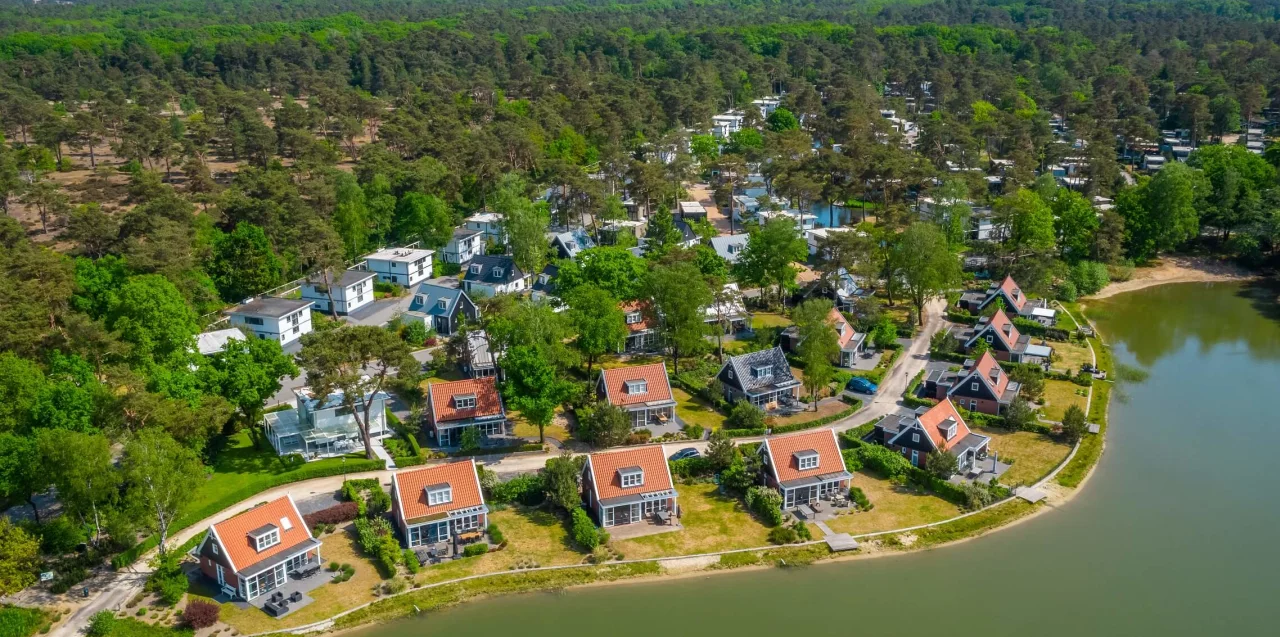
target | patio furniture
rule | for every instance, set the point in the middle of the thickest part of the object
(817, 506)
(295, 597)
(664, 517)
(805, 511)
(467, 538)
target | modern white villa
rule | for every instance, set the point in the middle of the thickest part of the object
(350, 290)
(322, 428)
(283, 320)
(401, 266)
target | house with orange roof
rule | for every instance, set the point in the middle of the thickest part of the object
(851, 341)
(642, 333)
(917, 434)
(643, 391)
(1013, 299)
(258, 551)
(629, 486)
(981, 385)
(1004, 341)
(441, 503)
(454, 407)
(805, 467)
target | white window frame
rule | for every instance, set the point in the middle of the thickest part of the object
(973, 387)
(633, 318)
(267, 540)
(468, 522)
(762, 372)
(464, 402)
(440, 496)
(634, 479)
(808, 462)
(637, 387)
(915, 437)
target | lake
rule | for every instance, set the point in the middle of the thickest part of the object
(1175, 534)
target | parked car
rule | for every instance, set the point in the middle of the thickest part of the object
(862, 385)
(687, 452)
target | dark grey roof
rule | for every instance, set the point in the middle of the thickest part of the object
(686, 231)
(552, 271)
(971, 441)
(348, 278)
(818, 479)
(262, 530)
(271, 306)
(743, 364)
(263, 565)
(462, 233)
(489, 265)
(431, 295)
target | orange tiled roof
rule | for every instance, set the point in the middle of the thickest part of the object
(460, 476)
(842, 327)
(782, 451)
(488, 402)
(983, 367)
(637, 306)
(233, 533)
(604, 471)
(939, 414)
(998, 322)
(1014, 293)
(655, 374)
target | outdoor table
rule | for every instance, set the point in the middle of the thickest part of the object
(805, 511)
(664, 516)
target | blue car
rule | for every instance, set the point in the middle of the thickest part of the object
(862, 385)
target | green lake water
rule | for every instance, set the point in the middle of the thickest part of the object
(1177, 533)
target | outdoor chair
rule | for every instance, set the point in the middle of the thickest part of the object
(296, 596)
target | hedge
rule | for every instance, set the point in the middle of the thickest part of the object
(233, 498)
(854, 403)
(484, 451)
(877, 375)
(691, 467)
(336, 514)
(910, 399)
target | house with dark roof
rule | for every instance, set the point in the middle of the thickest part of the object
(443, 309)
(1014, 301)
(804, 467)
(940, 427)
(543, 287)
(253, 553)
(762, 378)
(981, 385)
(465, 404)
(441, 503)
(850, 340)
(571, 243)
(643, 391)
(491, 275)
(1004, 340)
(642, 333)
(464, 245)
(283, 320)
(688, 238)
(730, 247)
(629, 486)
(350, 291)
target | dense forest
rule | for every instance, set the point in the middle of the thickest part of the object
(163, 160)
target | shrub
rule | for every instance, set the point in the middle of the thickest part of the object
(495, 534)
(100, 625)
(379, 502)
(691, 467)
(1089, 277)
(60, 535)
(528, 490)
(782, 535)
(639, 437)
(395, 586)
(802, 531)
(694, 432)
(201, 614)
(744, 415)
(585, 532)
(765, 503)
(168, 581)
(414, 333)
(851, 459)
(1067, 292)
(860, 498)
(336, 514)
(884, 461)
(472, 550)
(410, 560)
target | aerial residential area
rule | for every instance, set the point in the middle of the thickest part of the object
(324, 314)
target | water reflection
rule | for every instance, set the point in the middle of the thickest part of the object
(1213, 314)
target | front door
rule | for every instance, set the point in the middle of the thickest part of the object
(915, 458)
(222, 578)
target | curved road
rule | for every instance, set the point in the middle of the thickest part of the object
(110, 591)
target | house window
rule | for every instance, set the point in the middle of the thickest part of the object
(267, 540)
(915, 437)
(215, 548)
(809, 462)
(465, 401)
(973, 386)
(436, 497)
(442, 304)
(252, 320)
(418, 299)
(632, 478)
(973, 405)
(637, 387)
(633, 318)
(762, 372)
(476, 267)
(497, 272)
(469, 522)
(990, 339)
(286, 523)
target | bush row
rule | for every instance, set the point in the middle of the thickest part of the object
(854, 405)
(516, 448)
(336, 514)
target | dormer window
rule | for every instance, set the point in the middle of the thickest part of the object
(419, 300)
(439, 494)
(543, 279)
(476, 268)
(497, 272)
(464, 401)
(765, 371)
(637, 387)
(807, 459)
(951, 431)
(265, 537)
(442, 304)
(733, 249)
(631, 477)
(633, 318)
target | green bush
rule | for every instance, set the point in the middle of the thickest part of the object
(495, 534)
(410, 560)
(860, 498)
(585, 532)
(765, 503)
(694, 432)
(691, 467)
(168, 581)
(1089, 277)
(100, 625)
(529, 490)
(16, 621)
(472, 550)
(60, 535)
(884, 461)
(782, 535)
(744, 415)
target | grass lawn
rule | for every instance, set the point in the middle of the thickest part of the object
(535, 537)
(825, 409)
(1060, 394)
(1071, 356)
(1035, 455)
(611, 362)
(735, 347)
(241, 467)
(525, 429)
(693, 410)
(769, 319)
(892, 508)
(330, 599)
(711, 523)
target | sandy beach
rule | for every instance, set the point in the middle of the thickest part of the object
(1177, 269)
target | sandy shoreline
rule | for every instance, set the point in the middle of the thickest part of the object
(1177, 269)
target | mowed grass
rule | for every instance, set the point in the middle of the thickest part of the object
(712, 522)
(525, 429)
(1059, 395)
(693, 410)
(769, 319)
(1071, 356)
(330, 599)
(535, 537)
(1035, 454)
(892, 508)
(828, 408)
